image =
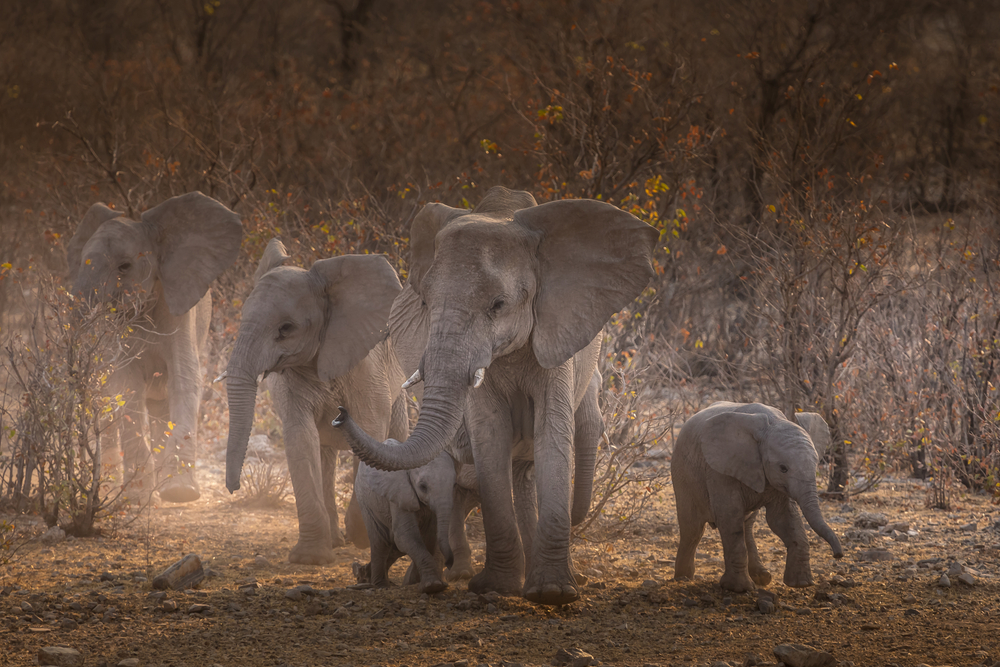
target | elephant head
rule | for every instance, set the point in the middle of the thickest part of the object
(184, 244)
(507, 276)
(761, 449)
(430, 486)
(325, 319)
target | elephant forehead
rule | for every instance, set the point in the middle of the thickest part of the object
(485, 245)
(115, 239)
(284, 290)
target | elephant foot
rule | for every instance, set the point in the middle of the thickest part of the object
(310, 554)
(179, 488)
(459, 571)
(736, 582)
(760, 576)
(798, 579)
(487, 581)
(553, 586)
(435, 585)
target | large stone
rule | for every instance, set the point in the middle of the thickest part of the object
(800, 655)
(573, 657)
(53, 535)
(59, 656)
(185, 573)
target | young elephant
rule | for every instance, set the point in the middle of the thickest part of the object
(319, 336)
(408, 512)
(162, 264)
(730, 460)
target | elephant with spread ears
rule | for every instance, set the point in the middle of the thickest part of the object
(162, 266)
(731, 459)
(319, 336)
(507, 302)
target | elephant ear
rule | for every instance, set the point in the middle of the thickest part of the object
(818, 430)
(594, 259)
(96, 216)
(423, 232)
(275, 255)
(409, 327)
(359, 291)
(730, 443)
(196, 239)
(395, 487)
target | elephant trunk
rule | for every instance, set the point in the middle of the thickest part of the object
(809, 503)
(443, 516)
(441, 412)
(241, 392)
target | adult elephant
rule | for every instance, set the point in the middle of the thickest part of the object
(511, 298)
(319, 336)
(163, 266)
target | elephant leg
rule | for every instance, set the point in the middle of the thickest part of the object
(137, 478)
(589, 425)
(381, 561)
(328, 456)
(354, 526)
(691, 527)
(756, 568)
(177, 483)
(525, 504)
(549, 578)
(465, 500)
(491, 436)
(306, 469)
(783, 518)
(734, 551)
(409, 539)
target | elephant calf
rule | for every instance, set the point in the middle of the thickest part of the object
(408, 512)
(730, 460)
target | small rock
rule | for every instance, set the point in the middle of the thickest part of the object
(260, 561)
(341, 612)
(752, 660)
(800, 655)
(53, 535)
(129, 662)
(169, 605)
(59, 656)
(868, 520)
(969, 528)
(955, 569)
(573, 657)
(199, 608)
(967, 579)
(765, 606)
(944, 581)
(294, 594)
(68, 624)
(185, 573)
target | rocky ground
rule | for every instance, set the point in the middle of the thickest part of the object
(917, 586)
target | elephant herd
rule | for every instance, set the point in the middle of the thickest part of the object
(496, 330)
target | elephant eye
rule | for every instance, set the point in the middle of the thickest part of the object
(124, 266)
(497, 304)
(423, 486)
(285, 329)
(783, 468)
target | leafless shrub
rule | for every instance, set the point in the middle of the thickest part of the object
(264, 484)
(57, 414)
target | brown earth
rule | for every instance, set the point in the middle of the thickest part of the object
(631, 612)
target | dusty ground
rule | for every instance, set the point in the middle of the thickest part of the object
(631, 613)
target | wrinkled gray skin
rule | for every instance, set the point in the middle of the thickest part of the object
(408, 512)
(319, 336)
(522, 292)
(164, 265)
(730, 460)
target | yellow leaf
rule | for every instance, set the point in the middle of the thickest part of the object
(771, 208)
(171, 425)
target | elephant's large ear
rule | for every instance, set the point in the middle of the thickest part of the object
(409, 327)
(423, 232)
(359, 290)
(395, 487)
(96, 216)
(196, 239)
(594, 258)
(730, 443)
(274, 256)
(818, 430)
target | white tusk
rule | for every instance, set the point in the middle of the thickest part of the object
(415, 378)
(480, 376)
(222, 376)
